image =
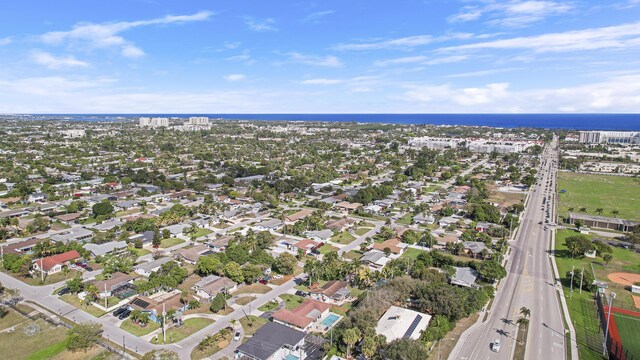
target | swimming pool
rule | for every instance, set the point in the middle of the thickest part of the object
(330, 320)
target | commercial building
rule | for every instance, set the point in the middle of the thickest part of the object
(603, 222)
(610, 137)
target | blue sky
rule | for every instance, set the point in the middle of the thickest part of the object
(355, 56)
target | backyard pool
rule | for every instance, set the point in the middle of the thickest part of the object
(330, 320)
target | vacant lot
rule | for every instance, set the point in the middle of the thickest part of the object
(412, 253)
(255, 288)
(610, 193)
(18, 345)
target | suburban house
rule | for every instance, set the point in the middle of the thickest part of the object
(76, 235)
(55, 263)
(191, 255)
(266, 225)
(146, 237)
(274, 341)
(108, 225)
(464, 276)
(423, 218)
(211, 285)
(394, 245)
(334, 291)
(155, 304)
(320, 235)
(376, 260)
(37, 197)
(401, 323)
(341, 224)
(68, 218)
(304, 315)
(346, 206)
(111, 247)
(145, 269)
(475, 248)
(20, 248)
(483, 227)
(306, 245)
(115, 282)
(298, 215)
(219, 244)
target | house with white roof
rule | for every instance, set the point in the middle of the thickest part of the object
(401, 323)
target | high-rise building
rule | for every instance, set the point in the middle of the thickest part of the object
(610, 137)
(154, 122)
(199, 120)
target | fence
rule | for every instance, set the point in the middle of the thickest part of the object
(614, 345)
(57, 322)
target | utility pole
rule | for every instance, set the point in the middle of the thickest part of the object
(41, 269)
(105, 296)
(124, 347)
(164, 323)
(581, 277)
(571, 291)
(606, 332)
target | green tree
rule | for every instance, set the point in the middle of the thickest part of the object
(83, 337)
(406, 349)
(607, 258)
(217, 303)
(251, 273)
(103, 208)
(369, 346)
(285, 264)
(209, 264)
(233, 271)
(75, 285)
(491, 270)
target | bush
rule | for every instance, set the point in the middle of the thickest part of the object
(217, 303)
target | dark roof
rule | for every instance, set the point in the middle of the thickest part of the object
(269, 339)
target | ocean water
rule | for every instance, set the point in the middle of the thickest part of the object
(550, 121)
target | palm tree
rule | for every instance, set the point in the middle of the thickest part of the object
(92, 292)
(525, 312)
(135, 315)
(144, 318)
(350, 337)
(607, 258)
(65, 271)
(184, 296)
(615, 213)
(599, 211)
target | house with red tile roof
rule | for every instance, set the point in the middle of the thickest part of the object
(395, 245)
(303, 316)
(306, 245)
(55, 263)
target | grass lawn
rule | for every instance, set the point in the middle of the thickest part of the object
(255, 288)
(49, 352)
(366, 224)
(170, 242)
(139, 252)
(291, 301)
(406, 219)
(600, 191)
(629, 328)
(251, 326)
(48, 280)
(326, 248)
(343, 238)
(202, 232)
(412, 253)
(17, 345)
(74, 300)
(95, 353)
(353, 255)
(137, 330)
(361, 231)
(269, 306)
(245, 300)
(190, 326)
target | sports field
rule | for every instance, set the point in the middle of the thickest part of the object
(610, 193)
(629, 330)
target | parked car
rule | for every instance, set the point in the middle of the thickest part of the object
(64, 291)
(278, 276)
(237, 336)
(119, 311)
(89, 268)
(124, 314)
(263, 282)
(301, 293)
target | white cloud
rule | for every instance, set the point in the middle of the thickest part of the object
(6, 41)
(514, 13)
(107, 35)
(244, 57)
(260, 25)
(404, 42)
(323, 81)
(422, 60)
(235, 77)
(326, 61)
(316, 16)
(619, 94)
(356, 84)
(480, 73)
(612, 37)
(52, 62)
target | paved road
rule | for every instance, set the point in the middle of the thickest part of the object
(530, 283)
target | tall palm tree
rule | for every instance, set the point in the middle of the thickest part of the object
(350, 337)
(525, 312)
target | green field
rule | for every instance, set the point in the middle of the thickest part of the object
(608, 192)
(629, 329)
(412, 253)
(45, 343)
(343, 238)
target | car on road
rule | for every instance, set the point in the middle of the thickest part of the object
(125, 314)
(119, 311)
(495, 347)
(236, 336)
(64, 291)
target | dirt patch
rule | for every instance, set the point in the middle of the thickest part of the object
(626, 279)
(447, 344)
(636, 300)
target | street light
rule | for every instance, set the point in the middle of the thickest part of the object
(606, 331)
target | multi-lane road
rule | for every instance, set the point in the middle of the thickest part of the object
(530, 283)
